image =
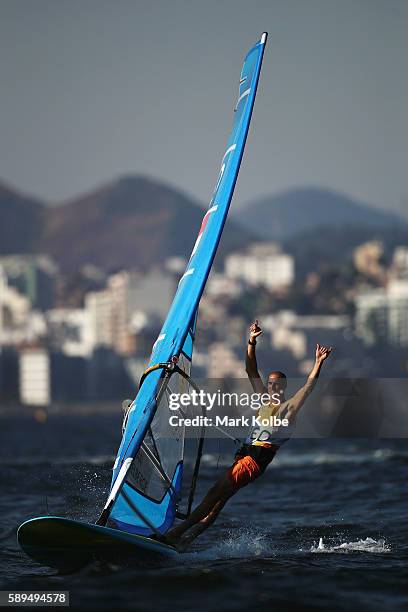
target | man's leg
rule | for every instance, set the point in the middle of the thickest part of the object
(219, 493)
(206, 522)
(242, 472)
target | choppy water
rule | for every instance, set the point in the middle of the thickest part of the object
(324, 528)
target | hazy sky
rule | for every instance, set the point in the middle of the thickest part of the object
(94, 89)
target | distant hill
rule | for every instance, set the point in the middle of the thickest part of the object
(131, 222)
(21, 221)
(138, 222)
(134, 221)
(320, 247)
(296, 211)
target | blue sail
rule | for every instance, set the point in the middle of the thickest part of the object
(148, 471)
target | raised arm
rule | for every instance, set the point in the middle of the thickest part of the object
(297, 401)
(251, 365)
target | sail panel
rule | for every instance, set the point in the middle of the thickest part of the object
(161, 467)
(160, 514)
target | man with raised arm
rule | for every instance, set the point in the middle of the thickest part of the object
(261, 445)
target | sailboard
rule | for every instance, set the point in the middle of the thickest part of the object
(157, 465)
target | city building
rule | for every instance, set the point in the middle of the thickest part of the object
(33, 276)
(35, 377)
(48, 377)
(70, 331)
(263, 264)
(14, 307)
(14, 312)
(368, 260)
(9, 374)
(111, 311)
(224, 363)
(382, 315)
(399, 266)
(298, 334)
(220, 285)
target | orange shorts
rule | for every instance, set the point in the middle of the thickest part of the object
(243, 471)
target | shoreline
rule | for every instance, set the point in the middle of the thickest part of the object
(20, 410)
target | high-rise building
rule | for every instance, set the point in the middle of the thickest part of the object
(223, 362)
(382, 315)
(70, 331)
(298, 334)
(399, 266)
(112, 311)
(34, 276)
(14, 312)
(262, 265)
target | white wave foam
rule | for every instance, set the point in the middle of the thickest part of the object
(243, 543)
(235, 544)
(368, 545)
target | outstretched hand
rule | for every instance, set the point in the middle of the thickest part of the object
(254, 330)
(322, 352)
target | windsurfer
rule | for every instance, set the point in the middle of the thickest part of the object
(259, 448)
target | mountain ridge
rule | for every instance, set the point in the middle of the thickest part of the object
(130, 222)
(137, 222)
(297, 210)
